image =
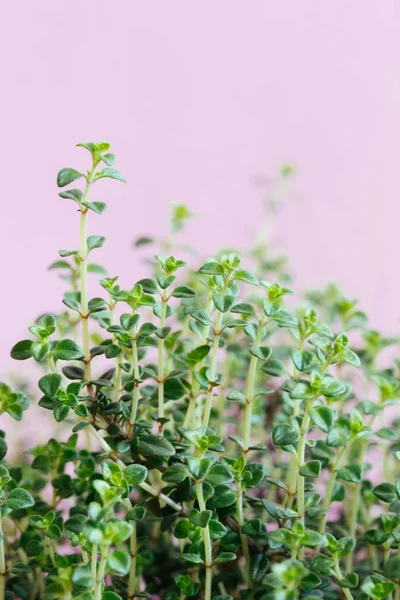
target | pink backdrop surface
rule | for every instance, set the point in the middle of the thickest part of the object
(197, 99)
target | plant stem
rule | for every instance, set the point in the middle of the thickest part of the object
(94, 562)
(117, 372)
(329, 489)
(160, 366)
(243, 536)
(300, 461)
(251, 378)
(339, 576)
(152, 490)
(100, 573)
(132, 572)
(2, 564)
(145, 486)
(135, 398)
(83, 255)
(50, 552)
(213, 370)
(354, 510)
(188, 420)
(207, 545)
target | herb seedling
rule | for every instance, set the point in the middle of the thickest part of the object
(213, 442)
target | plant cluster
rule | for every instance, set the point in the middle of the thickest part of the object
(215, 442)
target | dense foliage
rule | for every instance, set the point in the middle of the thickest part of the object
(215, 441)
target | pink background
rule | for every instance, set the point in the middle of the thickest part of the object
(198, 99)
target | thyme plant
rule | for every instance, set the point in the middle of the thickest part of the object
(215, 441)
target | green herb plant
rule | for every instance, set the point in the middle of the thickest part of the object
(215, 441)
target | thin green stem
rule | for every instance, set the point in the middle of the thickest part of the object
(243, 536)
(50, 552)
(189, 416)
(135, 395)
(207, 545)
(339, 576)
(145, 486)
(329, 489)
(154, 492)
(356, 502)
(101, 573)
(251, 379)
(300, 462)
(117, 372)
(132, 572)
(160, 364)
(83, 256)
(93, 563)
(2, 564)
(213, 370)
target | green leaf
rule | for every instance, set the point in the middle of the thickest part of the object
(219, 474)
(202, 317)
(312, 538)
(95, 241)
(200, 519)
(274, 367)
(323, 417)
(156, 445)
(302, 359)
(198, 354)
(97, 207)
(61, 412)
(352, 473)
(223, 303)
(22, 350)
(223, 497)
(385, 492)
(66, 176)
(40, 350)
(82, 577)
(19, 498)
(175, 473)
(350, 580)
(136, 514)
(3, 448)
(246, 276)
(391, 569)
(224, 557)
(262, 353)
(119, 562)
(67, 350)
(174, 389)
(183, 291)
(310, 582)
(111, 173)
(193, 558)
(128, 321)
(244, 309)
(211, 267)
(135, 474)
(50, 384)
(20, 569)
(350, 357)
(236, 396)
(285, 435)
(217, 529)
(72, 194)
(252, 527)
(282, 536)
(312, 468)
